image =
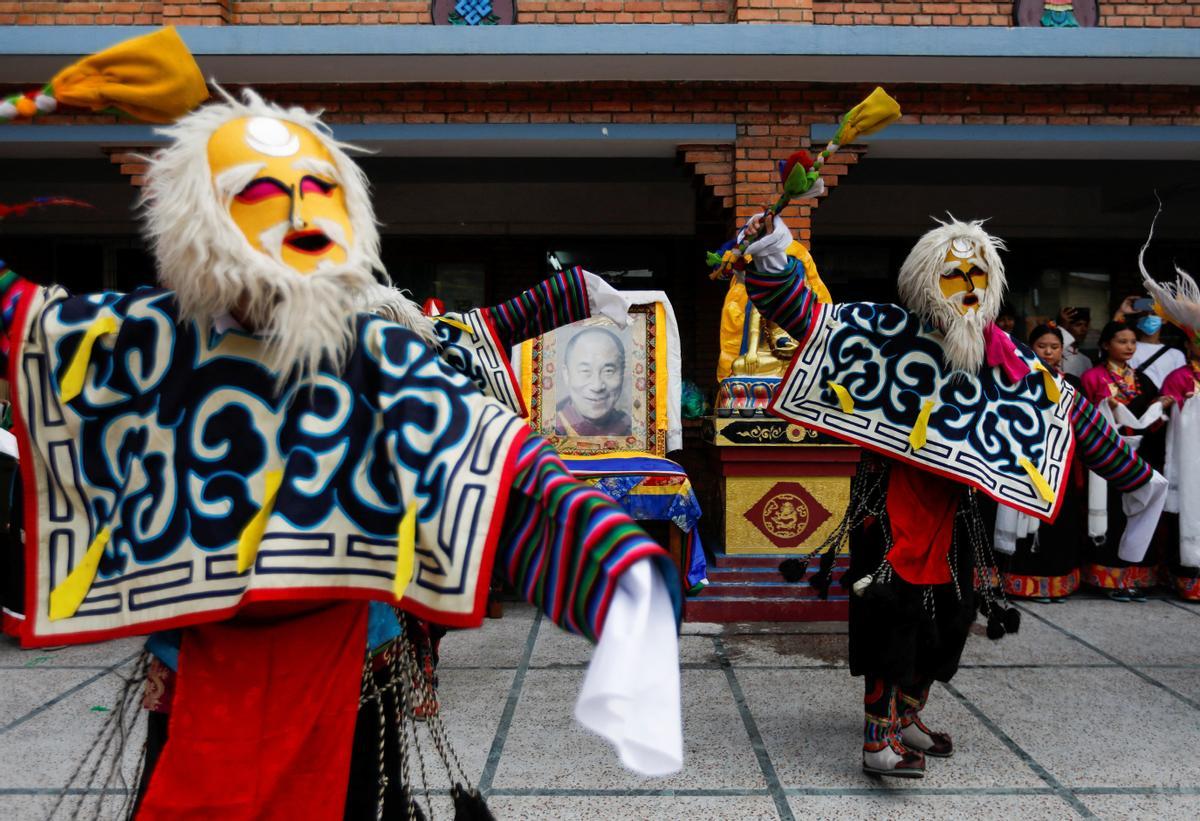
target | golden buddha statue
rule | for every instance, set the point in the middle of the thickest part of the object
(755, 352)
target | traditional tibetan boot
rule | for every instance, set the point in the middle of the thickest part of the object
(884, 753)
(913, 732)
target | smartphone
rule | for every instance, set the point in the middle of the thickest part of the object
(1083, 314)
(1143, 304)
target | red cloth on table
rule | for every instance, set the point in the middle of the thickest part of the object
(262, 722)
(921, 507)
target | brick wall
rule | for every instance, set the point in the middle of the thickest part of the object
(1130, 13)
(1151, 13)
(943, 13)
(332, 12)
(80, 13)
(625, 11)
(773, 11)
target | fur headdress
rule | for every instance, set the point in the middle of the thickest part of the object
(1178, 302)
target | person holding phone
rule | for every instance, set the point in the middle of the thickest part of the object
(1151, 357)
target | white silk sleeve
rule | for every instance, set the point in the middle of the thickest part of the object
(605, 300)
(631, 692)
(1142, 507)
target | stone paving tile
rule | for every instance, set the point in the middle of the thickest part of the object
(1036, 643)
(556, 648)
(1183, 681)
(1152, 632)
(784, 650)
(1091, 727)
(38, 807)
(81, 655)
(1159, 807)
(25, 690)
(44, 751)
(546, 748)
(901, 805)
(472, 702)
(498, 643)
(613, 808)
(811, 724)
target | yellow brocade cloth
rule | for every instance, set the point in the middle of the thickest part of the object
(153, 78)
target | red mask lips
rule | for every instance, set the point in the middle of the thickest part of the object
(970, 301)
(314, 242)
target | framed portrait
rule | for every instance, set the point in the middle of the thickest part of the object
(593, 388)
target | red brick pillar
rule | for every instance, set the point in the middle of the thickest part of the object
(131, 162)
(197, 12)
(756, 158)
(713, 164)
(773, 11)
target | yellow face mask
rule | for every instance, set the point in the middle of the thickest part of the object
(287, 203)
(965, 277)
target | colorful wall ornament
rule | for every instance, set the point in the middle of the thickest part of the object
(1057, 13)
(474, 12)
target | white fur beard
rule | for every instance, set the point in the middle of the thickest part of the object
(308, 319)
(301, 318)
(963, 342)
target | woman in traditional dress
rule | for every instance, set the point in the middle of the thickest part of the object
(1045, 564)
(1129, 398)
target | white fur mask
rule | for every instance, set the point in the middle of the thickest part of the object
(963, 343)
(203, 257)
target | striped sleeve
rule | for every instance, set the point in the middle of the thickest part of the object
(565, 545)
(783, 297)
(550, 304)
(1103, 450)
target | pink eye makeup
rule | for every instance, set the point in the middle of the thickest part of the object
(261, 189)
(315, 185)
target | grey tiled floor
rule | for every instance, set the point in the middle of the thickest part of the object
(1092, 710)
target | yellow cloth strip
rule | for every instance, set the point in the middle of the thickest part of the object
(72, 381)
(462, 326)
(623, 454)
(70, 593)
(916, 437)
(844, 397)
(1052, 391)
(251, 538)
(527, 377)
(1039, 481)
(152, 77)
(406, 551)
(660, 363)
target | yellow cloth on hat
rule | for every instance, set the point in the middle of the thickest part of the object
(153, 78)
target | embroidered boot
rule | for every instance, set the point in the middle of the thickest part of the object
(883, 751)
(913, 731)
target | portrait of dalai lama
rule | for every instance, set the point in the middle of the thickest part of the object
(593, 366)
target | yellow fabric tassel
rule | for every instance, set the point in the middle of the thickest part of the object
(1039, 481)
(462, 326)
(916, 437)
(153, 78)
(251, 538)
(844, 397)
(70, 593)
(406, 551)
(72, 381)
(1052, 391)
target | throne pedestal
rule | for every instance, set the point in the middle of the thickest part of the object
(783, 490)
